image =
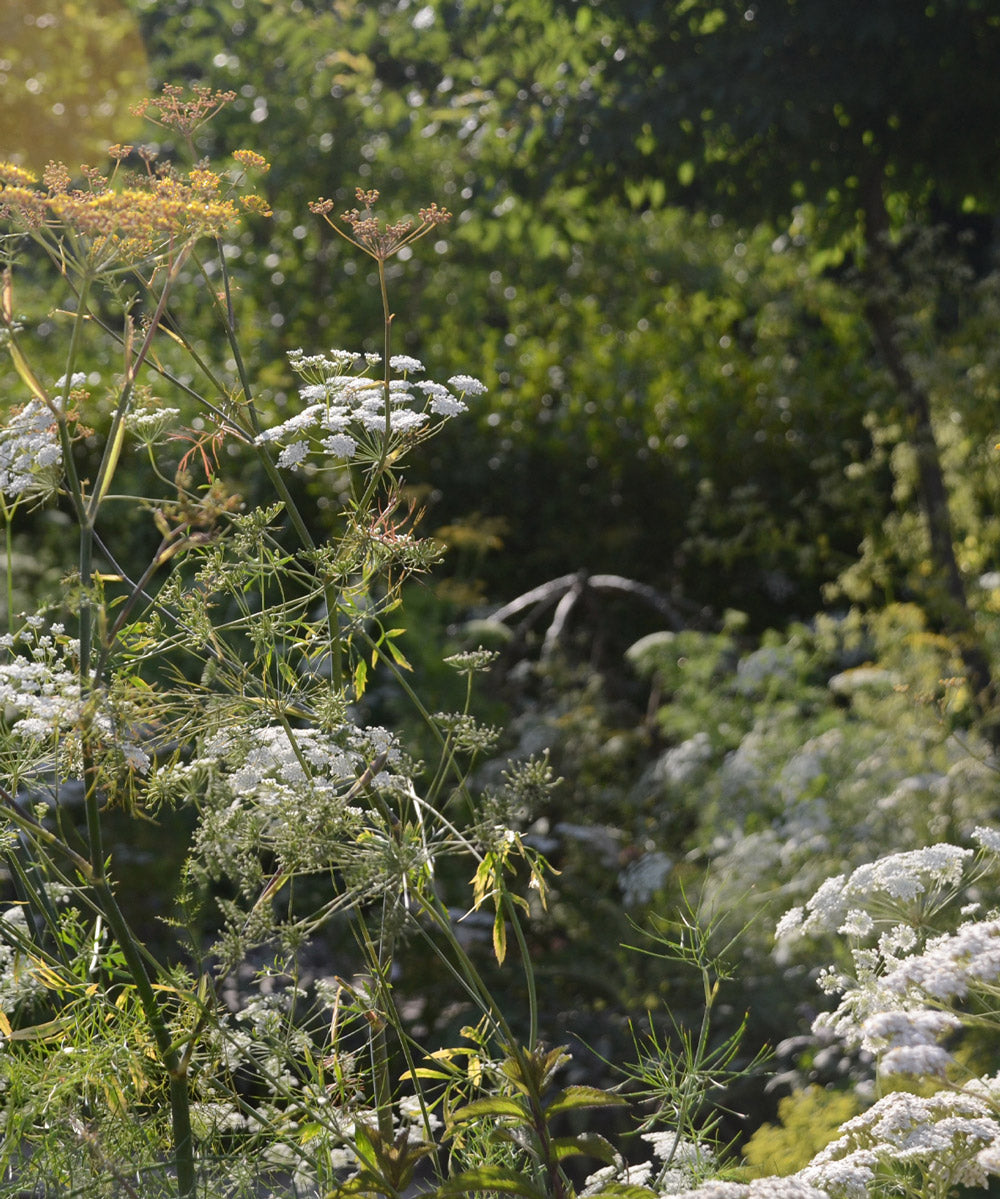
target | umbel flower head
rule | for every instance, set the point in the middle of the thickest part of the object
(131, 215)
(380, 239)
(182, 112)
(345, 414)
(30, 453)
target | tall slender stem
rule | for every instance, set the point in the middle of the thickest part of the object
(279, 484)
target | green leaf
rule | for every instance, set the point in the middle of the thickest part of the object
(582, 1096)
(495, 1106)
(360, 677)
(622, 1190)
(499, 937)
(587, 1144)
(397, 655)
(490, 1178)
(423, 1072)
(363, 1146)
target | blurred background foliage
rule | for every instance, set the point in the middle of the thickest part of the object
(674, 396)
(68, 73)
(679, 392)
(660, 264)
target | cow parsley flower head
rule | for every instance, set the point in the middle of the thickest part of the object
(405, 364)
(794, 1186)
(941, 1136)
(64, 385)
(344, 416)
(988, 838)
(950, 965)
(879, 891)
(907, 1041)
(467, 385)
(149, 423)
(30, 453)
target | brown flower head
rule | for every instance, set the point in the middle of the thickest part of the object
(181, 112)
(377, 239)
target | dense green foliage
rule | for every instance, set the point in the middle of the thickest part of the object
(729, 273)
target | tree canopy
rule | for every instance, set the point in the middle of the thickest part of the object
(753, 108)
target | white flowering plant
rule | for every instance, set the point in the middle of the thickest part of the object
(220, 680)
(220, 673)
(917, 979)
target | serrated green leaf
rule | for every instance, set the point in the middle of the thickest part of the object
(582, 1096)
(587, 1144)
(624, 1190)
(495, 1106)
(489, 1178)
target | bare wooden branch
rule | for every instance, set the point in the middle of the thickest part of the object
(566, 591)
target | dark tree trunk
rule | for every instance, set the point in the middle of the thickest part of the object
(947, 601)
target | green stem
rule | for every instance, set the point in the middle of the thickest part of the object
(386, 353)
(279, 485)
(180, 1111)
(381, 960)
(132, 951)
(8, 530)
(529, 971)
(135, 955)
(113, 445)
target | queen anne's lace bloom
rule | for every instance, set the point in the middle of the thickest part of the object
(350, 407)
(950, 964)
(907, 1041)
(901, 878)
(941, 1135)
(467, 385)
(988, 838)
(30, 452)
(792, 1187)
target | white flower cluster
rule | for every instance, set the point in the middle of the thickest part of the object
(149, 423)
(950, 965)
(681, 763)
(907, 1041)
(345, 414)
(66, 384)
(909, 992)
(643, 878)
(943, 1141)
(678, 1164)
(845, 904)
(40, 694)
(948, 1138)
(269, 767)
(758, 671)
(17, 984)
(30, 453)
(39, 687)
(891, 1006)
(792, 1187)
